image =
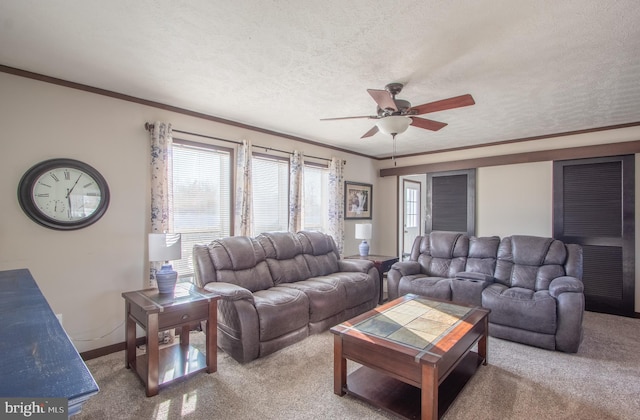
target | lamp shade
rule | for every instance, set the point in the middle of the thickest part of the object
(394, 124)
(165, 246)
(363, 231)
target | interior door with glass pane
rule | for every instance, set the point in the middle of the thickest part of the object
(411, 219)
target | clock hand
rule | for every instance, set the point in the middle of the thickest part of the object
(69, 201)
(74, 185)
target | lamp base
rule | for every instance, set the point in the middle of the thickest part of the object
(364, 248)
(166, 278)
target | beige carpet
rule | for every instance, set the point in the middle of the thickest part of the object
(601, 381)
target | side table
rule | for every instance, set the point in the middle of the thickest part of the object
(382, 263)
(158, 312)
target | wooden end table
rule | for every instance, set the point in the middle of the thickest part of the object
(382, 263)
(416, 354)
(156, 312)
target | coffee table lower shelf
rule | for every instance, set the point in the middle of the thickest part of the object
(402, 399)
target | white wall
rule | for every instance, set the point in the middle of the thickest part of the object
(83, 273)
(514, 200)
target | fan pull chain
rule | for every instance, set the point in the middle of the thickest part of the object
(393, 156)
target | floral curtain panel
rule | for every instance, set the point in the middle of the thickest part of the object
(244, 200)
(296, 168)
(336, 200)
(161, 188)
(161, 175)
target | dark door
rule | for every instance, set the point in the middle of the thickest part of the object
(451, 197)
(593, 205)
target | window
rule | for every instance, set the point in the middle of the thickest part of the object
(270, 185)
(316, 201)
(201, 197)
(411, 208)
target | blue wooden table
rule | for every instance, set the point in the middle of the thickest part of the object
(37, 358)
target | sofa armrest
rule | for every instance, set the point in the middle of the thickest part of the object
(396, 273)
(569, 293)
(238, 322)
(406, 268)
(565, 284)
(473, 276)
(229, 291)
(362, 266)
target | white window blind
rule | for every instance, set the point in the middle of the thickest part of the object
(270, 184)
(201, 197)
(316, 200)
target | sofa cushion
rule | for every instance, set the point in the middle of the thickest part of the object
(284, 257)
(320, 253)
(530, 262)
(325, 298)
(448, 245)
(436, 287)
(280, 311)
(357, 287)
(441, 267)
(483, 253)
(520, 308)
(317, 243)
(240, 260)
(442, 254)
(280, 245)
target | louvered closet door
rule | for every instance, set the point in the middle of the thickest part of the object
(451, 201)
(594, 207)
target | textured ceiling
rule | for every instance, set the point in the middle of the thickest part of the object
(534, 67)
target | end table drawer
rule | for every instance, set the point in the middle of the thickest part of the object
(180, 316)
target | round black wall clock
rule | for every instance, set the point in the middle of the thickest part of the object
(63, 194)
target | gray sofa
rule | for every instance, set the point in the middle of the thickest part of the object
(279, 287)
(532, 285)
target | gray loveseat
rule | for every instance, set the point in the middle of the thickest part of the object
(279, 287)
(532, 285)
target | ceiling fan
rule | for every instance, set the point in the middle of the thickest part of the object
(396, 115)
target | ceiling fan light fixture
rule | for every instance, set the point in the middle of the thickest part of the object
(394, 124)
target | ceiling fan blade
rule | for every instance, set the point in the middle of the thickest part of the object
(455, 102)
(427, 124)
(371, 132)
(349, 118)
(383, 99)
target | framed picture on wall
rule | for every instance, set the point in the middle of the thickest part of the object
(358, 200)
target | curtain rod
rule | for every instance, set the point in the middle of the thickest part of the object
(149, 127)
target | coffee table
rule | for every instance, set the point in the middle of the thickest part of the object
(416, 354)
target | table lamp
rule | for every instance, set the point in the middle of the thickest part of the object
(363, 231)
(165, 247)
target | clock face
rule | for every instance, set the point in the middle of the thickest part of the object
(66, 194)
(63, 194)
